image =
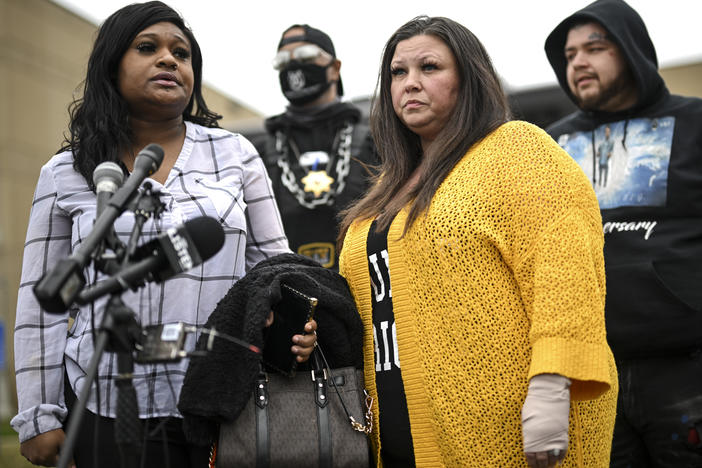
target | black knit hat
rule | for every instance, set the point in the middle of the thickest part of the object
(316, 37)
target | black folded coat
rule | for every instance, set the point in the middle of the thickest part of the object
(218, 385)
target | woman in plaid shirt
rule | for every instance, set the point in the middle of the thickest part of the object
(143, 86)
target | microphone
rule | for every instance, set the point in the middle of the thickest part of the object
(107, 177)
(146, 163)
(57, 289)
(179, 249)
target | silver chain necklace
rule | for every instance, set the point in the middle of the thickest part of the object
(342, 168)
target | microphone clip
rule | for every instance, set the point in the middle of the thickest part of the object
(148, 203)
(113, 254)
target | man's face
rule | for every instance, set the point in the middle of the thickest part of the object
(305, 66)
(597, 73)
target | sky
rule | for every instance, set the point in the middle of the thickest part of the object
(239, 38)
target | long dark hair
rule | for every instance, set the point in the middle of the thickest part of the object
(99, 120)
(481, 107)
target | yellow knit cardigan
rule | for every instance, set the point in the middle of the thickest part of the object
(501, 279)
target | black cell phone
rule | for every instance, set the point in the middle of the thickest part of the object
(291, 314)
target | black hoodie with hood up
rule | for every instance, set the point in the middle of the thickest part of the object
(649, 189)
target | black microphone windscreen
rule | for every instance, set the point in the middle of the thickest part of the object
(207, 235)
(149, 159)
(178, 249)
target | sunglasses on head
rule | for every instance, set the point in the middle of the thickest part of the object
(305, 53)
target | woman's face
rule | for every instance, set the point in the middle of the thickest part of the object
(155, 74)
(424, 85)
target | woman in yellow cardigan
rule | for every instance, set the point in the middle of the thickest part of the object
(476, 264)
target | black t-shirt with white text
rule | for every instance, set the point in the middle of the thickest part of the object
(395, 436)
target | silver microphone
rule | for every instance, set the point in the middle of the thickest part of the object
(107, 177)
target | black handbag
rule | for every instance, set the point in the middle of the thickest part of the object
(309, 419)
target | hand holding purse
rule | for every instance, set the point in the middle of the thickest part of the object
(307, 420)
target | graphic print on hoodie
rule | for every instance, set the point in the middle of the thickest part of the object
(625, 172)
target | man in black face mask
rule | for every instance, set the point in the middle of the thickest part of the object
(318, 153)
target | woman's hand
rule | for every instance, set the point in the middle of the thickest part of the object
(44, 448)
(549, 459)
(304, 344)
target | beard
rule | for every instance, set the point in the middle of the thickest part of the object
(622, 85)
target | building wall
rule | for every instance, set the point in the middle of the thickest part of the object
(685, 80)
(43, 55)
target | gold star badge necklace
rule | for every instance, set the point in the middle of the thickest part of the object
(318, 185)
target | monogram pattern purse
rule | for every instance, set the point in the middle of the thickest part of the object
(308, 419)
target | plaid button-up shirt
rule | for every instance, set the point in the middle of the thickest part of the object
(217, 174)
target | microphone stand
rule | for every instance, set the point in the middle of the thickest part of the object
(119, 332)
(125, 333)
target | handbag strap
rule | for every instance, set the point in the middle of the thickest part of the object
(324, 432)
(263, 446)
(321, 367)
(213, 455)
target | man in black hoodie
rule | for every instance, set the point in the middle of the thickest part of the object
(318, 153)
(649, 144)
